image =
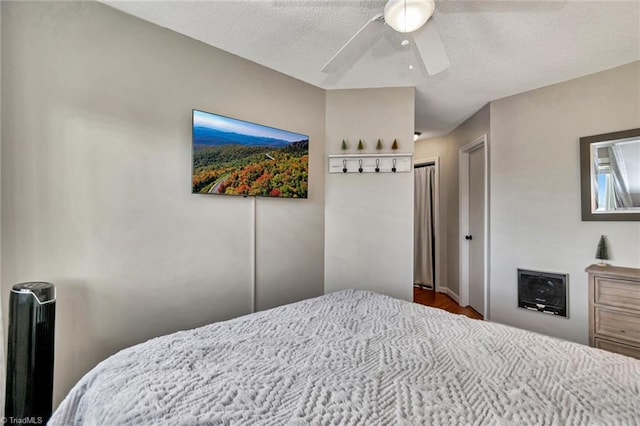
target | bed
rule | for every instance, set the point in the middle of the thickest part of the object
(356, 358)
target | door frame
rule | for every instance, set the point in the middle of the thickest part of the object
(436, 218)
(463, 209)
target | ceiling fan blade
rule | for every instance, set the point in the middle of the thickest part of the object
(356, 46)
(517, 6)
(431, 49)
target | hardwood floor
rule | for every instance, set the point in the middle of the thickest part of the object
(442, 301)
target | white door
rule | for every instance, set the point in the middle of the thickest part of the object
(475, 238)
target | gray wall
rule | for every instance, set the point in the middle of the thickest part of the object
(369, 217)
(446, 148)
(535, 191)
(96, 180)
(2, 363)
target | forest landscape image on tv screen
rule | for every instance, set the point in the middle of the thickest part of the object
(235, 157)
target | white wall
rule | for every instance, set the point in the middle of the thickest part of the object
(535, 192)
(2, 344)
(369, 217)
(96, 180)
(446, 149)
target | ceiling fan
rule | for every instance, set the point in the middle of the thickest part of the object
(405, 16)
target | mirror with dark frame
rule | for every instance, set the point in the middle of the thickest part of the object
(610, 176)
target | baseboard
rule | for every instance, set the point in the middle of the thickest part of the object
(450, 293)
(424, 287)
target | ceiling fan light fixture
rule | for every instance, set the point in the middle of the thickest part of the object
(406, 16)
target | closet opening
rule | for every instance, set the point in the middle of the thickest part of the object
(426, 218)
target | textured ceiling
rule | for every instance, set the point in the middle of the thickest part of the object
(496, 48)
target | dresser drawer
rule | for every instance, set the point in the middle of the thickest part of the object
(617, 324)
(617, 292)
(619, 348)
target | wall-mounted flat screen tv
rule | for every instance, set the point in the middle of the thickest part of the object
(235, 157)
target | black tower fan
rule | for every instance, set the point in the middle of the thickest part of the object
(32, 312)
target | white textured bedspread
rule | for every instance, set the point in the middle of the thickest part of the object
(355, 357)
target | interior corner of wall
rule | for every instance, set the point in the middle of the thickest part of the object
(2, 344)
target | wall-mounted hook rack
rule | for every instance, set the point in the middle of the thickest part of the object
(370, 163)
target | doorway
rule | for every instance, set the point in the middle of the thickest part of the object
(474, 208)
(426, 271)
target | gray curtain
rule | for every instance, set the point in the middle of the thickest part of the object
(424, 214)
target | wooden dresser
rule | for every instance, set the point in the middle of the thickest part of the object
(614, 309)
